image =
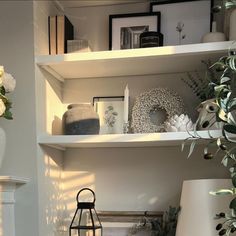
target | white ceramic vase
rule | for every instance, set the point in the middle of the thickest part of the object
(2, 145)
(232, 25)
(213, 36)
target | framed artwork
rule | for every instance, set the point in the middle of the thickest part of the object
(124, 29)
(111, 114)
(122, 223)
(184, 22)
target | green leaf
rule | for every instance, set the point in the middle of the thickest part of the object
(222, 115)
(191, 148)
(230, 128)
(231, 169)
(208, 156)
(183, 145)
(222, 192)
(232, 106)
(205, 151)
(231, 119)
(225, 160)
(225, 80)
(232, 204)
(234, 181)
(218, 142)
(2, 90)
(8, 115)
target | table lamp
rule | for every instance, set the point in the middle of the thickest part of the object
(198, 207)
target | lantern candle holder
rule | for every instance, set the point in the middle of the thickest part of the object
(85, 220)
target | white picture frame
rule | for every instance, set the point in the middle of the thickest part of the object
(184, 22)
(111, 114)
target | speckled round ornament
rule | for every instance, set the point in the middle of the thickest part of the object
(145, 103)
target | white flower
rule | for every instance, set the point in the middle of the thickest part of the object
(1, 74)
(8, 82)
(1, 71)
(2, 107)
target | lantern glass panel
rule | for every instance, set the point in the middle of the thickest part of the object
(86, 218)
(75, 232)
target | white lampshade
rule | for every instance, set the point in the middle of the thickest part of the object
(198, 207)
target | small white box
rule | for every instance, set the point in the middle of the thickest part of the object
(78, 45)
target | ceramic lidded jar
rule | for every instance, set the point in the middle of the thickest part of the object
(80, 119)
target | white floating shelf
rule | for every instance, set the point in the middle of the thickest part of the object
(120, 140)
(131, 62)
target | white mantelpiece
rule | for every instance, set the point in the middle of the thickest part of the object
(8, 185)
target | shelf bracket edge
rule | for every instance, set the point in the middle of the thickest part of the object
(53, 73)
(58, 147)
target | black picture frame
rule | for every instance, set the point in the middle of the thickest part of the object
(169, 39)
(108, 98)
(116, 31)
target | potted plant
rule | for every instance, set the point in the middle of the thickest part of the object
(158, 227)
(7, 85)
(225, 113)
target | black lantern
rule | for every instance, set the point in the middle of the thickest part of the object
(85, 218)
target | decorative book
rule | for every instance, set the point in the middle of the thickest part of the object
(52, 31)
(60, 30)
(65, 31)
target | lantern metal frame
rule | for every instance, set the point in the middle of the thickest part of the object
(85, 206)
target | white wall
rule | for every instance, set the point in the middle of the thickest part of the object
(17, 55)
(135, 178)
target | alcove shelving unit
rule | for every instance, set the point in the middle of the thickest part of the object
(147, 61)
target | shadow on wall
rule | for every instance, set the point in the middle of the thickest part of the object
(1, 222)
(74, 182)
(51, 192)
(59, 193)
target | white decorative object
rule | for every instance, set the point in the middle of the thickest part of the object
(207, 117)
(79, 45)
(198, 207)
(8, 185)
(111, 115)
(2, 144)
(232, 25)
(213, 36)
(126, 104)
(153, 108)
(179, 123)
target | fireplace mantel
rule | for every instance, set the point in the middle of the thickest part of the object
(8, 185)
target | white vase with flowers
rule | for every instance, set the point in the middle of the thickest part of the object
(7, 85)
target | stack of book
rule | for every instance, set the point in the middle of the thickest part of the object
(60, 30)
